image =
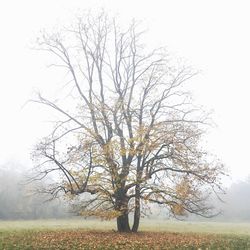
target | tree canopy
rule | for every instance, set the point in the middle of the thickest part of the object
(127, 134)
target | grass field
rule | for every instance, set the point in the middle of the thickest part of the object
(91, 234)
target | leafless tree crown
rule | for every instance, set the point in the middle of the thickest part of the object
(129, 133)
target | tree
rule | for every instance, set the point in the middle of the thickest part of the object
(128, 134)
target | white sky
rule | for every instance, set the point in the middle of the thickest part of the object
(212, 35)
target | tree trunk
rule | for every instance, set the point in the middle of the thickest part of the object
(136, 220)
(137, 212)
(123, 223)
(122, 206)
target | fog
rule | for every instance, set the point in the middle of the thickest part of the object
(236, 204)
(211, 36)
(20, 199)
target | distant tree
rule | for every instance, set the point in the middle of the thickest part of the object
(128, 133)
(18, 199)
(236, 207)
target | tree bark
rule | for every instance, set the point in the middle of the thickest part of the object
(137, 212)
(123, 223)
(122, 206)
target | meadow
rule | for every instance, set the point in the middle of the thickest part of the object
(92, 234)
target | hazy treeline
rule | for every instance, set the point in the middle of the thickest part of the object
(19, 201)
(237, 202)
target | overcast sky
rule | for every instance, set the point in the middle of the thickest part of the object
(213, 36)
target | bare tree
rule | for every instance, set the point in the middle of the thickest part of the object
(129, 134)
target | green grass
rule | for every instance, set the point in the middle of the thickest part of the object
(146, 225)
(55, 224)
(196, 227)
(92, 234)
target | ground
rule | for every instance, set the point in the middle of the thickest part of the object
(90, 234)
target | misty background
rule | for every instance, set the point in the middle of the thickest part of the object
(211, 36)
(19, 199)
